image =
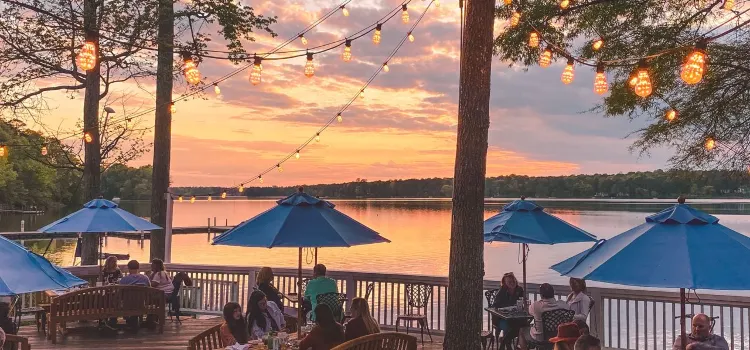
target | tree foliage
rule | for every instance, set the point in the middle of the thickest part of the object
(665, 31)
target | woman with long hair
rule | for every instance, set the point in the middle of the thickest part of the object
(326, 334)
(263, 316)
(510, 292)
(362, 323)
(578, 301)
(265, 285)
(160, 278)
(234, 328)
(111, 274)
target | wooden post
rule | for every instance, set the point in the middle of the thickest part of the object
(597, 313)
(168, 228)
(351, 290)
(251, 283)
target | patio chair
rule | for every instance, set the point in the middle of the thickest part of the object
(550, 321)
(417, 297)
(388, 340)
(335, 301)
(488, 336)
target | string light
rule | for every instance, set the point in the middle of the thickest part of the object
(260, 178)
(437, 3)
(192, 199)
(344, 11)
(695, 65)
(347, 54)
(385, 67)
(376, 36)
(404, 14)
(87, 137)
(633, 78)
(362, 94)
(179, 199)
(643, 87)
(223, 195)
(172, 108)
(309, 66)
(241, 188)
(568, 74)
(192, 74)
(600, 80)
(534, 39)
(3, 150)
(411, 37)
(339, 118)
(217, 90)
(303, 39)
(296, 155)
(564, 4)
(671, 115)
(44, 150)
(728, 5)
(86, 58)
(515, 18)
(317, 137)
(545, 58)
(256, 74)
(597, 44)
(710, 143)
(508, 2)
(279, 168)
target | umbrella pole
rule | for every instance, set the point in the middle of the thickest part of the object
(300, 297)
(525, 291)
(683, 338)
(316, 256)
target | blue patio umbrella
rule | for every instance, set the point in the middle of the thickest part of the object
(526, 222)
(679, 247)
(298, 221)
(23, 271)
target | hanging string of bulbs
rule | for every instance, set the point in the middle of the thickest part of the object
(338, 117)
(691, 72)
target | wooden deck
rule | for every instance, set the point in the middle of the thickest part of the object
(85, 336)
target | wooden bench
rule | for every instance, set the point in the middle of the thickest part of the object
(207, 340)
(99, 303)
(20, 342)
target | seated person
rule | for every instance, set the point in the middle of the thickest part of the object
(701, 338)
(160, 278)
(510, 292)
(567, 335)
(326, 333)
(234, 328)
(578, 301)
(134, 277)
(6, 323)
(111, 274)
(362, 323)
(265, 285)
(547, 303)
(587, 342)
(263, 316)
(2, 338)
(320, 284)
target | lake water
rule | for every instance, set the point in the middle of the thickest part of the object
(419, 231)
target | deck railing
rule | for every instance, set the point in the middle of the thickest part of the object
(621, 318)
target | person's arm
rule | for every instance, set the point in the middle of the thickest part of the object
(257, 332)
(226, 335)
(310, 286)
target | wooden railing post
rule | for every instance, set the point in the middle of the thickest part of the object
(351, 290)
(251, 283)
(596, 325)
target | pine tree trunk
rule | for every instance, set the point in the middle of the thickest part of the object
(163, 126)
(466, 270)
(92, 157)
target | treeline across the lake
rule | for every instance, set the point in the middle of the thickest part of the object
(647, 184)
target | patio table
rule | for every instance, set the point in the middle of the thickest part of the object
(511, 314)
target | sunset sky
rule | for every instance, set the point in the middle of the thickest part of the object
(405, 126)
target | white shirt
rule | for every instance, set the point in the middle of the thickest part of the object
(165, 283)
(278, 317)
(581, 304)
(537, 308)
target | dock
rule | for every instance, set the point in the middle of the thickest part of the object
(27, 235)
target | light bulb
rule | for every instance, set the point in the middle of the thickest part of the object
(296, 155)
(568, 74)
(88, 138)
(600, 80)
(86, 58)
(241, 188)
(411, 37)
(437, 3)
(179, 199)
(217, 90)
(223, 195)
(347, 54)
(303, 39)
(515, 18)
(260, 178)
(728, 5)
(376, 36)
(44, 150)
(317, 137)
(192, 199)
(385, 67)
(508, 2)
(695, 65)
(309, 66)
(362, 94)
(633, 79)
(339, 118)
(279, 168)
(344, 11)
(192, 74)
(404, 14)
(545, 58)
(3, 151)
(172, 108)
(596, 45)
(710, 144)
(564, 4)
(643, 87)
(256, 75)
(534, 39)
(671, 115)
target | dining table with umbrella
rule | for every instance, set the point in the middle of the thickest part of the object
(525, 222)
(300, 221)
(678, 247)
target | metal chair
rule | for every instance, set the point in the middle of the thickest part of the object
(488, 335)
(417, 297)
(550, 321)
(335, 301)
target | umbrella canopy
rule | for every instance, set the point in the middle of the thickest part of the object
(300, 220)
(99, 215)
(526, 222)
(23, 271)
(679, 247)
